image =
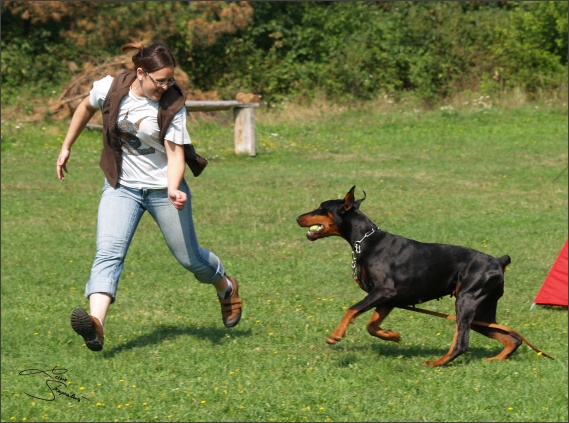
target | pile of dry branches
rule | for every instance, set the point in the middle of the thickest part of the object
(79, 88)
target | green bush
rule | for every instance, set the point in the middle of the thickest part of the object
(33, 62)
(362, 50)
(295, 50)
(534, 48)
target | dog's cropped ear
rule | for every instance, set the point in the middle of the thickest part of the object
(357, 203)
(349, 199)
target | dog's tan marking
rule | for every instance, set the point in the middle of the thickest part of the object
(340, 331)
(447, 357)
(373, 325)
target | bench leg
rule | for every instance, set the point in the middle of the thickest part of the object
(244, 127)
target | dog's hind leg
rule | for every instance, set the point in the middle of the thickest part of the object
(373, 328)
(487, 314)
(511, 341)
(464, 317)
(445, 358)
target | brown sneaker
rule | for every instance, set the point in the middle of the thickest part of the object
(89, 328)
(231, 305)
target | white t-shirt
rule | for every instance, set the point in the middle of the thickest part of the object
(144, 159)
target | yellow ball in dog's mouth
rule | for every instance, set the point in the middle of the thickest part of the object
(314, 228)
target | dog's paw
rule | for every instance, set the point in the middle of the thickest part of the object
(386, 335)
(393, 336)
(434, 363)
(333, 339)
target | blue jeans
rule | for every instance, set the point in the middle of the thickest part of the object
(120, 211)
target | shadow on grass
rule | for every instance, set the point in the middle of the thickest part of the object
(215, 335)
(389, 351)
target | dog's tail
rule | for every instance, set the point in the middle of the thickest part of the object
(504, 261)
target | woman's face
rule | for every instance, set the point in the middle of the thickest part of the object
(154, 84)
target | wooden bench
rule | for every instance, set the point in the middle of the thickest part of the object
(243, 121)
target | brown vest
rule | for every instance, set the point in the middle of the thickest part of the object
(170, 103)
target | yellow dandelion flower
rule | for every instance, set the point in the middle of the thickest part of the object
(119, 406)
(99, 404)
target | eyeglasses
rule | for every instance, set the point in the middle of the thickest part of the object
(156, 83)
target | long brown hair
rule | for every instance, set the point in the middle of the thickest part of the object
(152, 58)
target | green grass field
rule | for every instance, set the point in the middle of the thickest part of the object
(488, 179)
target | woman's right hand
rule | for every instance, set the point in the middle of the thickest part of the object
(62, 163)
(82, 114)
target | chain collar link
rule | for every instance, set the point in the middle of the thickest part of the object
(358, 249)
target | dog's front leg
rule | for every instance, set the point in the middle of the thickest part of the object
(374, 329)
(342, 328)
(373, 299)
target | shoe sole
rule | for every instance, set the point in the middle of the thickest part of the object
(231, 323)
(82, 324)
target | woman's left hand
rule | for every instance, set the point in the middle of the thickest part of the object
(177, 198)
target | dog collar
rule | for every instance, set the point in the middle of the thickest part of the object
(358, 248)
(357, 244)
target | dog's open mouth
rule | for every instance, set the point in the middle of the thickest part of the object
(314, 230)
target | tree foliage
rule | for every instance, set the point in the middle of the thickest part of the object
(357, 50)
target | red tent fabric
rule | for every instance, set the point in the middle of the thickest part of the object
(554, 288)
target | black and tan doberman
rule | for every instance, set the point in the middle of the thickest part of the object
(396, 271)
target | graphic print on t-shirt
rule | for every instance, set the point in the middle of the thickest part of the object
(130, 144)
